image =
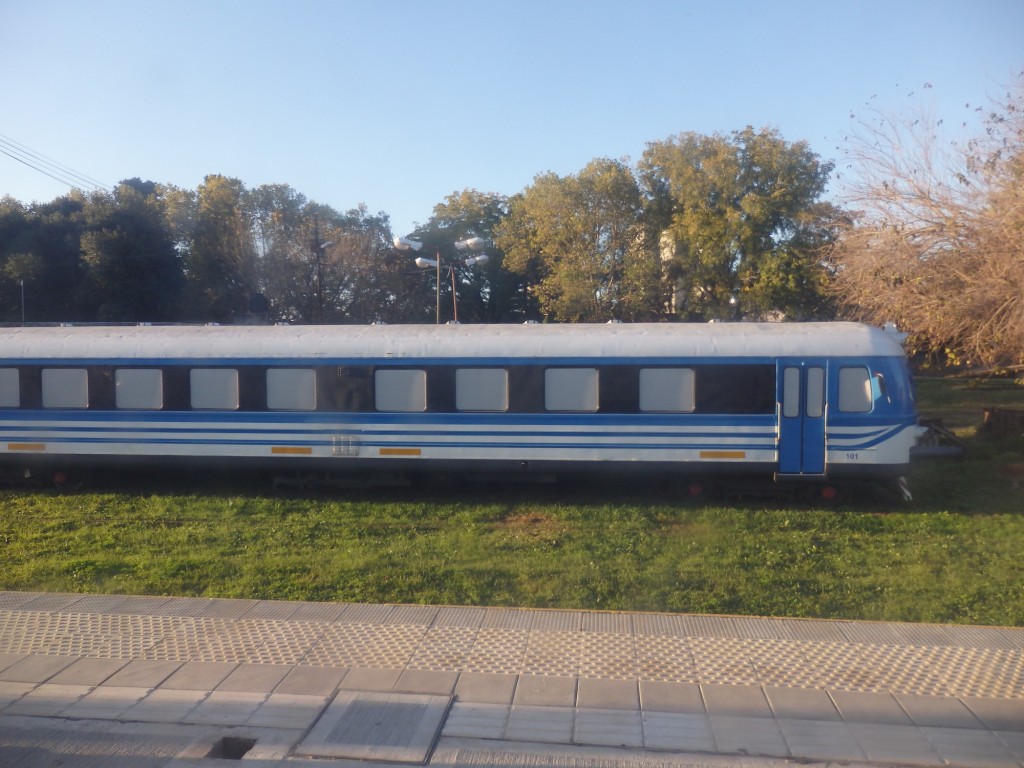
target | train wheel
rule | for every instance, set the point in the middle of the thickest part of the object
(691, 490)
(66, 480)
(827, 493)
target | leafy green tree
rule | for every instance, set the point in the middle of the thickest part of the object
(743, 224)
(133, 272)
(580, 242)
(357, 277)
(40, 245)
(218, 250)
(318, 265)
(487, 292)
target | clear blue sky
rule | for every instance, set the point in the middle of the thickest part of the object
(398, 103)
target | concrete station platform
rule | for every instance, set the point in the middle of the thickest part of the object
(118, 681)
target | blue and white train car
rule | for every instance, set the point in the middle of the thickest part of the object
(807, 400)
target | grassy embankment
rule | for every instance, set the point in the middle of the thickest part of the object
(952, 556)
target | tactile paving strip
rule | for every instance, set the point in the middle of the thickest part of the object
(552, 653)
(665, 659)
(498, 651)
(444, 649)
(383, 646)
(637, 646)
(607, 656)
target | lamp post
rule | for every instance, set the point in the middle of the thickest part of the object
(319, 252)
(470, 244)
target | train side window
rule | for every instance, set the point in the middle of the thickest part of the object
(791, 393)
(854, 390)
(401, 390)
(815, 392)
(65, 388)
(139, 388)
(345, 388)
(735, 388)
(291, 389)
(441, 389)
(526, 389)
(214, 389)
(10, 388)
(176, 388)
(571, 389)
(667, 390)
(481, 389)
(619, 387)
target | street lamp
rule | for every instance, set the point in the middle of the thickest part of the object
(469, 244)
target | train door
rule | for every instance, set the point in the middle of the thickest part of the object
(801, 397)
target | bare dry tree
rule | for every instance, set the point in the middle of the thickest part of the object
(935, 241)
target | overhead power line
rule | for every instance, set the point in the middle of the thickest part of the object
(48, 166)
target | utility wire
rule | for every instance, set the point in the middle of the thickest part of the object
(48, 166)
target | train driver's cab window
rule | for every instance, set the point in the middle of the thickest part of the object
(139, 388)
(481, 389)
(291, 389)
(10, 388)
(214, 389)
(570, 389)
(65, 388)
(667, 390)
(854, 390)
(404, 391)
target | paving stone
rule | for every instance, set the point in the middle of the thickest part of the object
(801, 703)
(608, 727)
(255, 678)
(226, 708)
(198, 676)
(288, 710)
(678, 731)
(142, 673)
(543, 724)
(820, 739)
(427, 681)
(545, 691)
(474, 720)
(370, 679)
(683, 698)
(974, 748)
(88, 671)
(10, 692)
(314, 681)
(7, 659)
(735, 700)
(485, 688)
(35, 669)
(880, 708)
(106, 703)
(938, 711)
(1014, 741)
(607, 694)
(165, 706)
(895, 744)
(47, 700)
(997, 714)
(748, 735)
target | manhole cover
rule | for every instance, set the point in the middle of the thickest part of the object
(377, 726)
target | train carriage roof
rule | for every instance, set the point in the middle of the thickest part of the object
(409, 342)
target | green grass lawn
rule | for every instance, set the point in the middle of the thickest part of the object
(954, 555)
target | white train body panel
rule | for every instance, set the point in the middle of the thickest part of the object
(811, 400)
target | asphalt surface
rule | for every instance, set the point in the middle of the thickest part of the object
(111, 681)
